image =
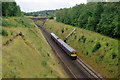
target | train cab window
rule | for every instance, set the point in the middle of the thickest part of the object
(73, 53)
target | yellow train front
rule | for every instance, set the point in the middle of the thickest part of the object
(69, 50)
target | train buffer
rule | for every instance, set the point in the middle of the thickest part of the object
(70, 35)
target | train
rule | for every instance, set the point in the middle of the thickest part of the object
(69, 50)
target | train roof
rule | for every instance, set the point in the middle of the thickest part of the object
(56, 37)
(63, 43)
(66, 45)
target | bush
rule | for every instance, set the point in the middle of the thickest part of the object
(113, 55)
(92, 41)
(14, 72)
(62, 30)
(50, 17)
(86, 53)
(4, 33)
(96, 47)
(5, 23)
(44, 63)
(84, 39)
(107, 44)
(79, 39)
(11, 32)
(75, 37)
(48, 54)
(101, 56)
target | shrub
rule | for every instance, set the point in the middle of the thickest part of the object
(44, 63)
(75, 37)
(4, 33)
(62, 30)
(79, 39)
(5, 23)
(92, 41)
(113, 55)
(50, 17)
(101, 56)
(66, 28)
(86, 53)
(48, 54)
(51, 71)
(96, 47)
(20, 33)
(14, 72)
(84, 39)
(107, 44)
(11, 32)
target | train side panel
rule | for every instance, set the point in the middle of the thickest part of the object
(63, 46)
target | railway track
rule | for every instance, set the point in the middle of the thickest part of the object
(89, 69)
(76, 69)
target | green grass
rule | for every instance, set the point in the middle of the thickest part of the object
(28, 57)
(98, 51)
(0, 55)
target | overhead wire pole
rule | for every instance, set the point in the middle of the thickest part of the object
(70, 35)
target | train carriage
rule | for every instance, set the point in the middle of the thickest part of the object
(69, 50)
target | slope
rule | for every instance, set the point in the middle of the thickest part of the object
(98, 51)
(29, 56)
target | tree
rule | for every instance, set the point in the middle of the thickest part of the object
(10, 9)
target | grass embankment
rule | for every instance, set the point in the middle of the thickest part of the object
(98, 51)
(30, 56)
(0, 54)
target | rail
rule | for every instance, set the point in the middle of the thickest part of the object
(89, 69)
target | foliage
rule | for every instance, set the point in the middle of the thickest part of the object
(100, 58)
(96, 47)
(17, 22)
(62, 30)
(113, 55)
(10, 9)
(44, 13)
(44, 63)
(50, 17)
(99, 17)
(4, 33)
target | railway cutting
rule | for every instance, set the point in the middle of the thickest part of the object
(74, 68)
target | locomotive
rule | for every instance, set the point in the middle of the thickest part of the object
(69, 50)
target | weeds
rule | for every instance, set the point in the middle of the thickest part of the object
(107, 44)
(48, 54)
(44, 63)
(11, 32)
(4, 33)
(82, 38)
(75, 37)
(96, 47)
(51, 71)
(101, 56)
(113, 55)
(14, 72)
(62, 30)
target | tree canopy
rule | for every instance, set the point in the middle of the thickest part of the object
(101, 17)
(10, 9)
